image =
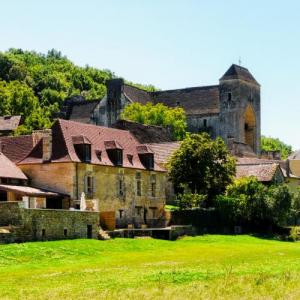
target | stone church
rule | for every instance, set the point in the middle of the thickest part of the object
(230, 109)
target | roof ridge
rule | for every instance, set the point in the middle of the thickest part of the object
(187, 88)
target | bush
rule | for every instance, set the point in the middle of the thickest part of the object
(251, 203)
(190, 200)
(294, 234)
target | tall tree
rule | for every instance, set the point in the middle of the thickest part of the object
(159, 114)
(203, 165)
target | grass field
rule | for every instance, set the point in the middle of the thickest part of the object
(204, 267)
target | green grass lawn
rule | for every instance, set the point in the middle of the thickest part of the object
(204, 267)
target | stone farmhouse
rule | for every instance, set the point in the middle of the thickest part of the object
(119, 178)
(230, 109)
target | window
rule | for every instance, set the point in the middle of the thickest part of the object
(43, 232)
(147, 160)
(89, 186)
(229, 96)
(120, 186)
(83, 152)
(153, 185)
(116, 156)
(205, 123)
(138, 178)
(121, 212)
(138, 210)
(153, 209)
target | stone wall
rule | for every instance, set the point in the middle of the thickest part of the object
(47, 224)
(10, 213)
(129, 208)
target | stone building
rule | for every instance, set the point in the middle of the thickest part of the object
(230, 109)
(118, 176)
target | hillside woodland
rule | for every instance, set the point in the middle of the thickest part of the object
(35, 85)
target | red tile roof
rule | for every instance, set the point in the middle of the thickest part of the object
(9, 170)
(163, 151)
(30, 191)
(63, 132)
(16, 148)
(263, 172)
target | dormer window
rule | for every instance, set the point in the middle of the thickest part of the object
(83, 152)
(115, 152)
(146, 156)
(82, 147)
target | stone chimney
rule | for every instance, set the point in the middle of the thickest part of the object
(46, 136)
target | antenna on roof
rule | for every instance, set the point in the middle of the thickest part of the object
(240, 61)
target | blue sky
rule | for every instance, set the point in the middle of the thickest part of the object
(173, 44)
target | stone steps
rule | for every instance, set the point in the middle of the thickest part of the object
(102, 235)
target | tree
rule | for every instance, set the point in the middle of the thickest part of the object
(202, 166)
(159, 114)
(255, 204)
(274, 144)
(35, 85)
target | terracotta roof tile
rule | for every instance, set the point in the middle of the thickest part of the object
(163, 151)
(80, 139)
(16, 148)
(263, 172)
(64, 151)
(9, 170)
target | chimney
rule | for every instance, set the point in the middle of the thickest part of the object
(46, 136)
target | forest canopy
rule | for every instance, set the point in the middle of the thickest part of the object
(34, 85)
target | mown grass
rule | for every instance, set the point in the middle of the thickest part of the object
(204, 267)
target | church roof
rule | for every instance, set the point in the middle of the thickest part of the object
(135, 94)
(195, 100)
(238, 72)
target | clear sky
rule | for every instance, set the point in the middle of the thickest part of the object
(173, 44)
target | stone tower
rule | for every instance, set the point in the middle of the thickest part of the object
(239, 118)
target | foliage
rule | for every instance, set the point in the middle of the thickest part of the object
(295, 210)
(190, 200)
(250, 202)
(35, 85)
(274, 144)
(148, 88)
(294, 234)
(159, 114)
(213, 266)
(203, 165)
